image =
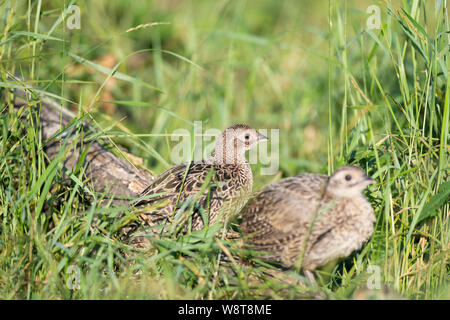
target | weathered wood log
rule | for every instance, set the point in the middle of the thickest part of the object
(106, 172)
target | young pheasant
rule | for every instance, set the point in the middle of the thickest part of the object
(230, 183)
(310, 217)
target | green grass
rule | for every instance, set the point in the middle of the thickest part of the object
(338, 93)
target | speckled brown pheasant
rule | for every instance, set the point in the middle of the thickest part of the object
(228, 189)
(310, 218)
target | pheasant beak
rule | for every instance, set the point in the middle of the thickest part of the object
(262, 137)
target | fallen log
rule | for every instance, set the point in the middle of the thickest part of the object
(105, 171)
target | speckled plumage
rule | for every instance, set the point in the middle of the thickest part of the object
(323, 218)
(227, 191)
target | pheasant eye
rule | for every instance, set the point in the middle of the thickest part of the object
(348, 177)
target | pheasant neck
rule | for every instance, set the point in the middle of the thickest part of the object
(229, 151)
